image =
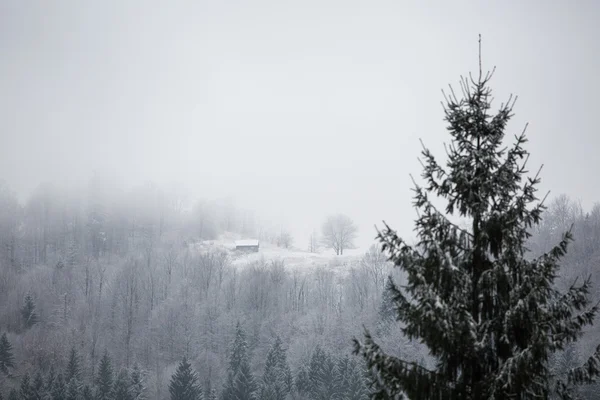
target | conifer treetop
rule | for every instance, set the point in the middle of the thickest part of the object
(488, 315)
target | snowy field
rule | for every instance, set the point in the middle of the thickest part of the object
(293, 258)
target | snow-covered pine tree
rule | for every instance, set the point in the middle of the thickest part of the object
(122, 386)
(25, 390)
(7, 358)
(50, 380)
(13, 394)
(28, 313)
(240, 383)
(277, 379)
(72, 389)
(137, 387)
(73, 369)
(184, 383)
(39, 392)
(59, 389)
(322, 375)
(104, 380)
(490, 316)
(86, 393)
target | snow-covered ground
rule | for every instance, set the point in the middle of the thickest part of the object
(293, 258)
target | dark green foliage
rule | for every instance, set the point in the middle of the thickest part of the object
(302, 383)
(209, 391)
(211, 394)
(137, 388)
(240, 383)
(25, 389)
(490, 316)
(73, 367)
(322, 375)
(104, 380)
(387, 312)
(121, 390)
(73, 390)
(28, 313)
(39, 391)
(184, 383)
(350, 380)
(86, 393)
(59, 388)
(277, 380)
(50, 379)
(7, 359)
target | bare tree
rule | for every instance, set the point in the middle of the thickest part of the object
(339, 232)
(285, 239)
(313, 242)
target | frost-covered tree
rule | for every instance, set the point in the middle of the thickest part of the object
(86, 393)
(490, 316)
(240, 383)
(73, 368)
(59, 389)
(121, 388)
(28, 312)
(277, 379)
(104, 380)
(72, 389)
(25, 390)
(13, 394)
(137, 387)
(37, 386)
(322, 375)
(339, 232)
(184, 383)
(7, 358)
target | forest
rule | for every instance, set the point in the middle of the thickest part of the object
(259, 201)
(100, 290)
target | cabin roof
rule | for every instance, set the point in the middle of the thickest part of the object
(247, 242)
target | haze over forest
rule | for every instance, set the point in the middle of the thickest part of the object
(189, 193)
(293, 111)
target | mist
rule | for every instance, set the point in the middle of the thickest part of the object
(282, 113)
(294, 111)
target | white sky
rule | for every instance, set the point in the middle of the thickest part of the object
(297, 109)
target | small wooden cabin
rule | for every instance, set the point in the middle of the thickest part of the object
(247, 245)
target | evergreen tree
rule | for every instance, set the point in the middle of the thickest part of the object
(350, 380)
(73, 368)
(104, 380)
(28, 313)
(39, 391)
(73, 389)
(490, 316)
(277, 379)
(59, 389)
(50, 380)
(302, 383)
(25, 390)
(209, 392)
(13, 394)
(122, 386)
(240, 383)
(184, 383)
(86, 393)
(7, 359)
(322, 375)
(137, 388)
(386, 309)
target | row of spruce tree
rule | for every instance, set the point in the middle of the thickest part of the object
(323, 376)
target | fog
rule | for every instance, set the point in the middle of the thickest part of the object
(295, 110)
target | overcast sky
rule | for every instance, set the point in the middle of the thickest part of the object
(297, 109)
